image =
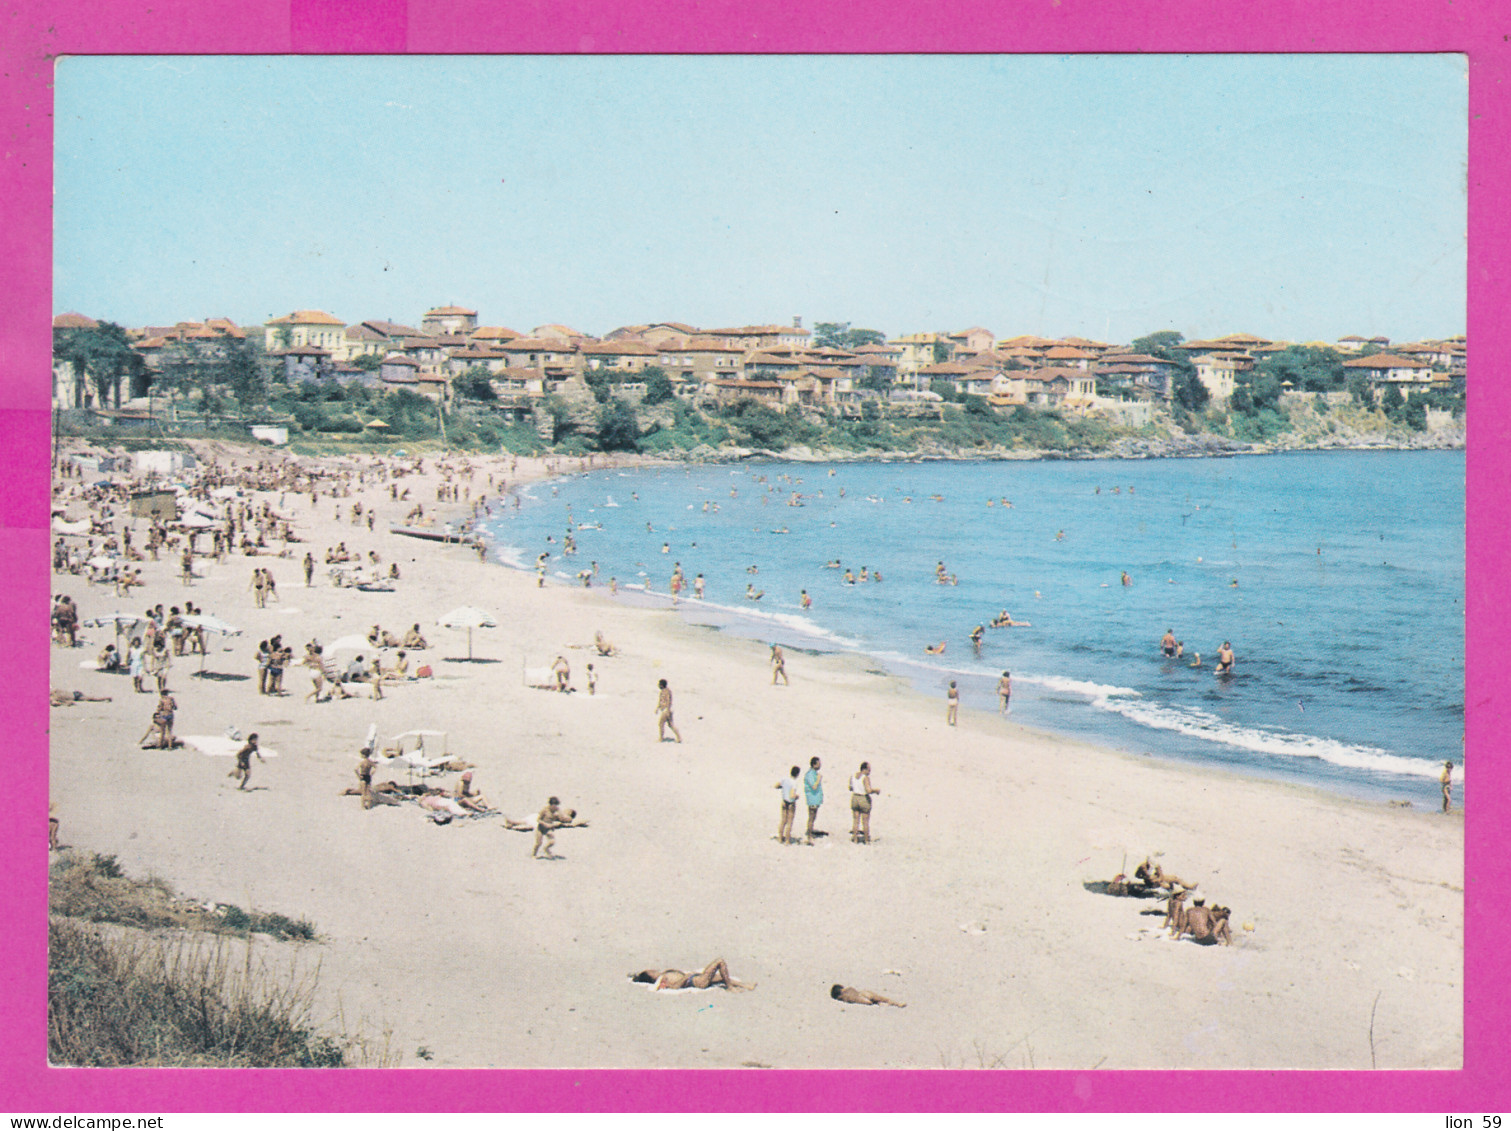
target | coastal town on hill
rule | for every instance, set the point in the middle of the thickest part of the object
(294, 374)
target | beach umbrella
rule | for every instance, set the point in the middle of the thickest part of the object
(209, 624)
(351, 643)
(469, 618)
(121, 622)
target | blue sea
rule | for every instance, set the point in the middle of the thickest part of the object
(1337, 576)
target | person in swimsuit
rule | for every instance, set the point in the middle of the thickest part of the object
(788, 787)
(716, 973)
(243, 768)
(778, 665)
(563, 672)
(664, 712)
(467, 797)
(1225, 659)
(952, 698)
(977, 634)
(1167, 643)
(548, 820)
(1005, 693)
(860, 805)
(1446, 780)
(852, 996)
(934, 649)
(162, 724)
(1152, 875)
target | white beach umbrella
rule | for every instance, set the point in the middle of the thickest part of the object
(351, 643)
(209, 624)
(469, 618)
(120, 622)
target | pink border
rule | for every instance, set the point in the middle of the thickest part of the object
(37, 30)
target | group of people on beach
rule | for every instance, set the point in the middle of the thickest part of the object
(811, 789)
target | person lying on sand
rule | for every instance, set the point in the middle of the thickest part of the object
(1153, 875)
(603, 646)
(861, 997)
(69, 698)
(716, 973)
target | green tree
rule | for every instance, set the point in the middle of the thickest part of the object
(658, 386)
(473, 384)
(367, 362)
(618, 430)
(1187, 390)
(839, 335)
(1392, 401)
(1359, 389)
(1161, 343)
(243, 371)
(1316, 369)
(104, 354)
(942, 352)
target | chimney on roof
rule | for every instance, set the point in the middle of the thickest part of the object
(797, 323)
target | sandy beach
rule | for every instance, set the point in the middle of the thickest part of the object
(970, 905)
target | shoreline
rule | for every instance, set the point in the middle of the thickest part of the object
(970, 905)
(1401, 788)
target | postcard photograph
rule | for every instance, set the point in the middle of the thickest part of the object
(872, 561)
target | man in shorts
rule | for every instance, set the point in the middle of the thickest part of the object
(788, 787)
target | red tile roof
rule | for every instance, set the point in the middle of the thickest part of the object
(306, 318)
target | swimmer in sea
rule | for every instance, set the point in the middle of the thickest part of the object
(849, 578)
(807, 601)
(1225, 659)
(976, 635)
(1167, 643)
(934, 649)
(1196, 663)
(832, 565)
(752, 595)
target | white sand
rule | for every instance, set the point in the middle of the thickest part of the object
(969, 906)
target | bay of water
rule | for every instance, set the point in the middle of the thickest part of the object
(1337, 576)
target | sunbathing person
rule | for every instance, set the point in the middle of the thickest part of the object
(1203, 925)
(69, 698)
(861, 997)
(603, 646)
(716, 973)
(1153, 875)
(467, 797)
(413, 639)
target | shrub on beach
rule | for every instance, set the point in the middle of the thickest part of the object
(115, 1000)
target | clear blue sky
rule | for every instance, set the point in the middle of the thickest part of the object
(1297, 197)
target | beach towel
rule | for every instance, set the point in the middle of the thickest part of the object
(219, 746)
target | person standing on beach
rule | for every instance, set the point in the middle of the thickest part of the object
(309, 569)
(778, 665)
(813, 794)
(243, 768)
(664, 712)
(788, 788)
(860, 804)
(1005, 693)
(952, 698)
(698, 587)
(1446, 780)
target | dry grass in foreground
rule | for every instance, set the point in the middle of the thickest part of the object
(192, 997)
